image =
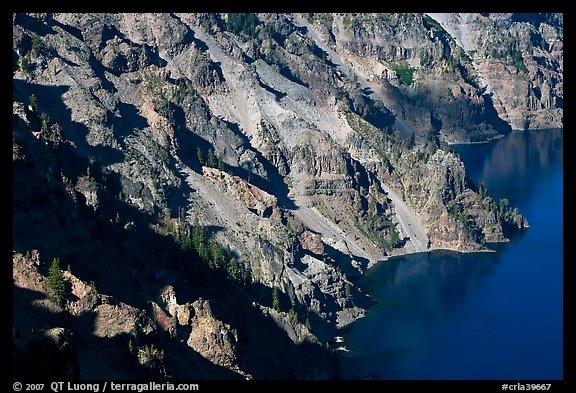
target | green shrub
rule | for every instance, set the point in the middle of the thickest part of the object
(405, 73)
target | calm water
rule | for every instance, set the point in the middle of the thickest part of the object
(444, 315)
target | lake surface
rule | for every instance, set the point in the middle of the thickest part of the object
(445, 315)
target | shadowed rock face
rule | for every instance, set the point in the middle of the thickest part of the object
(519, 60)
(252, 167)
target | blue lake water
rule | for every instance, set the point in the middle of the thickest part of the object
(445, 315)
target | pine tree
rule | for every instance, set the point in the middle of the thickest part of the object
(45, 120)
(199, 240)
(275, 299)
(482, 191)
(217, 256)
(293, 316)
(246, 273)
(210, 160)
(56, 282)
(25, 64)
(347, 289)
(220, 164)
(232, 268)
(33, 102)
(200, 156)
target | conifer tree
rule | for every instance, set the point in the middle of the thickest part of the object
(200, 156)
(210, 160)
(56, 282)
(275, 299)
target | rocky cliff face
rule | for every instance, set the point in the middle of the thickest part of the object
(223, 179)
(469, 76)
(518, 60)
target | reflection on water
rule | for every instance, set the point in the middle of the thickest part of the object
(415, 296)
(508, 164)
(444, 315)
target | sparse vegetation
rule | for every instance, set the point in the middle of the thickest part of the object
(482, 191)
(92, 294)
(431, 23)
(150, 356)
(220, 163)
(25, 63)
(38, 46)
(153, 83)
(242, 23)
(181, 91)
(347, 21)
(139, 224)
(131, 349)
(194, 241)
(325, 19)
(426, 59)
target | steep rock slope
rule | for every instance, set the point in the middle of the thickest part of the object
(469, 76)
(252, 165)
(519, 61)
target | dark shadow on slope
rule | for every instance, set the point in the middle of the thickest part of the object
(191, 280)
(94, 357)
(97, 40)
(275, 184)
(481, 122)
(536, 19)
(361, 178)
(188, 142)
(344, 262)
(73, 31)
(323, 328)
(32, 24)
(493, 118)
(322, 54)
(177, 197)
(100, 73)
(68, 62)
(190, 36)
(49, 101)
(129, 119)
(277, 94)
(116, 246)
(125, 262)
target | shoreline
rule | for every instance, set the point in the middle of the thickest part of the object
(500, 136)
(390, 257)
